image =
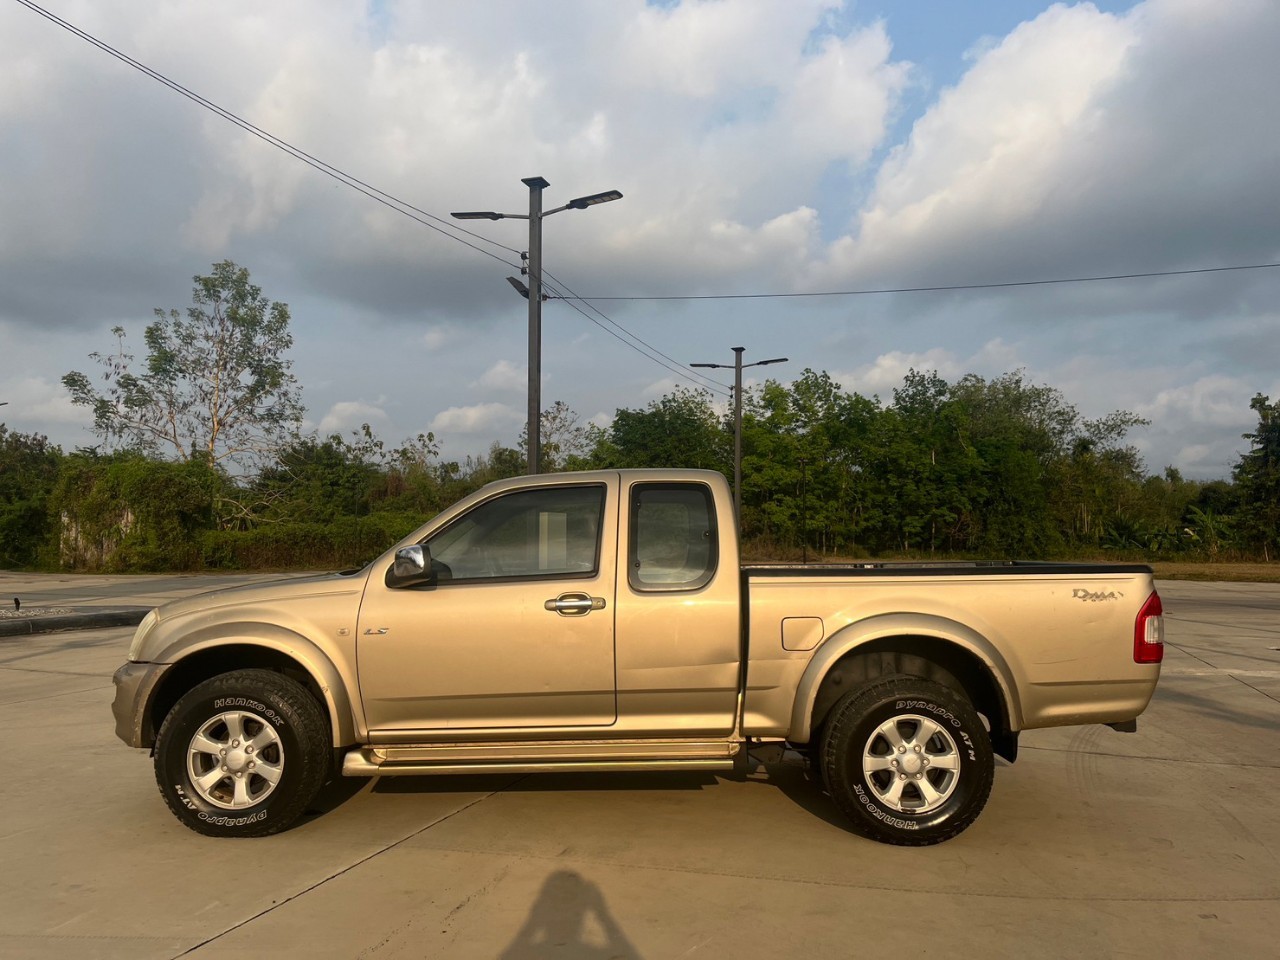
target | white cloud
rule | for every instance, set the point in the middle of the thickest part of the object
(504, 375)
(744, 134)
(886, 372)
(348, 415)
(481, 418)
(1219, 401)
(42, 400)
(988, 155)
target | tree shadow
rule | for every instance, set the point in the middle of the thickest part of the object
(570, 920)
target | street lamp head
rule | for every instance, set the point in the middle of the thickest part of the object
(763, 363)
(477, 215)
(581, 203)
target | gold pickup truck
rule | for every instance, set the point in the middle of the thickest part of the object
(602, 621)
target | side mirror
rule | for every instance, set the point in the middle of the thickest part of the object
(412, 567)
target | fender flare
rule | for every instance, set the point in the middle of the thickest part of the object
(323, 671)
(849, 638)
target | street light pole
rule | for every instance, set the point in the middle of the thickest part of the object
(738, 367)
(533, 293)
(533, 432)
(804, 508)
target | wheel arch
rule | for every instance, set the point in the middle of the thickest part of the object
(281, 651)
(934, 648)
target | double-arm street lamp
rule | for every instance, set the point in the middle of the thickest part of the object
(738, 367)
(534, 292)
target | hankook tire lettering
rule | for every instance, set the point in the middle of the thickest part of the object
(881, 815)
(224, 702)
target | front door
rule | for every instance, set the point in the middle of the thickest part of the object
(516, 631)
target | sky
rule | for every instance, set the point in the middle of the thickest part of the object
(761, 146)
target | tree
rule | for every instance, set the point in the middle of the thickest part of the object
(679, 430)
(29, 467)
(215, 385)
(801, 448)
(562, 438)
(124, 511)
(1257, 477)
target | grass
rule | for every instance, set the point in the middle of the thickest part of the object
(1229, 572)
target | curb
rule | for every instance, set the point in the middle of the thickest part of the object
(88, 620)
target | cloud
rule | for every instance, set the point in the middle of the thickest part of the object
(1217, 400)
(1086, 143)
(884, 374)
(659, 388)
(348, 415)
(504, 375)
(42, 400)
(759, 145)
(444, 336)
(481, 418)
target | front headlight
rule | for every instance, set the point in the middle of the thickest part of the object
(140, 635)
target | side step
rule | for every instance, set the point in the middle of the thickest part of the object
(560, 757)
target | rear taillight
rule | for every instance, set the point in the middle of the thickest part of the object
(1148, 632)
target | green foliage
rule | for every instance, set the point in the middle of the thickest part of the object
(215, 384)
(981, 468)
(344, 542)
(680, 429)
(127, 513)
(314, 481)
(29, 467)
(561, 439)
(1257, 477)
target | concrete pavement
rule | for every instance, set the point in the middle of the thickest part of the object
(1160, 844)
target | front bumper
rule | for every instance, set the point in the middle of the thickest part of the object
(135, 683)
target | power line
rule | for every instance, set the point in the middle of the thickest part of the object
(394, 203)
(680, 369)
(399, 206)
(952, 286)
(626, 338)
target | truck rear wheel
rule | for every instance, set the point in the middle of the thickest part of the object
(908, 761)
(242, 754)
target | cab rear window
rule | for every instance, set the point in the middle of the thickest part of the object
(673, 537)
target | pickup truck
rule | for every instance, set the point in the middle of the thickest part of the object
(602, 621)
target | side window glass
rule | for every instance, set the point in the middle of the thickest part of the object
(673, 537)
(548, 532)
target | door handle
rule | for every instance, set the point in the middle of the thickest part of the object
(574, 604)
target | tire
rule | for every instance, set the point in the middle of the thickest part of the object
(266, 736)
(908, 761)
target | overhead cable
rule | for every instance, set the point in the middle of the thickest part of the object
(944, 287)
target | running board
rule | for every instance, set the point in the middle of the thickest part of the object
(565, 757)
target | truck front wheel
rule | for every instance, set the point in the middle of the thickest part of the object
(242, 754)
(907, 760)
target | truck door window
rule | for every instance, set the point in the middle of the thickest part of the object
(551, 532)
(673, 537)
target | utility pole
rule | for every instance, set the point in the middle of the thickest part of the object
(533, 293)
(738, 367)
